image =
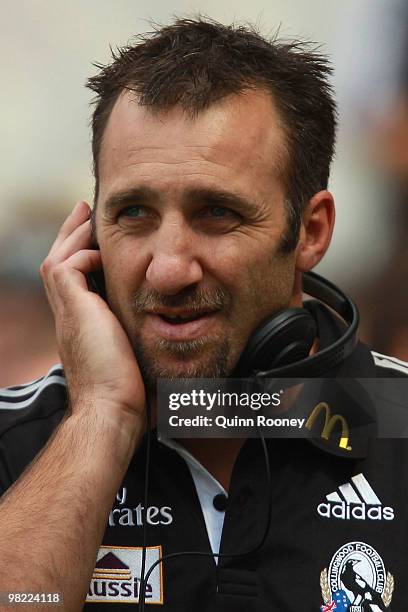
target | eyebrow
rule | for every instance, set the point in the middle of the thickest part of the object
(127, 197)
(205, 195)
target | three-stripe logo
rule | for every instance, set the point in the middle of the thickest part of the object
(355, 500)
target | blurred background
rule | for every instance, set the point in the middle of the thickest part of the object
(47, 50)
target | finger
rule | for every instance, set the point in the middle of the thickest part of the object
(87, 260)
(80, 213)
(78, 240)
(68, 277)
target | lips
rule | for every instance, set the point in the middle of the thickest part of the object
(181, 325)
(178, 316)
(176, 320)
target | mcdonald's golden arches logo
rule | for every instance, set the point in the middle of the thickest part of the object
(330, 422)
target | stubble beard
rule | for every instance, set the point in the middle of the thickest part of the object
(205, 357)
(191, 359)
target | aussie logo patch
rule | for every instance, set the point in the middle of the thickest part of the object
(356, 581)
(116, 577)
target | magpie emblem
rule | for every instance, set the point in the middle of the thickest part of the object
(356, 581)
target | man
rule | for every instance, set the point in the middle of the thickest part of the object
(212, 150)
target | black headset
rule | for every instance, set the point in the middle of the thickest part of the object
(280, 346)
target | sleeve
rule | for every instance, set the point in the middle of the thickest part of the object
(28, 416)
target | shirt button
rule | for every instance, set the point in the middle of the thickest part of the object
(220, 502)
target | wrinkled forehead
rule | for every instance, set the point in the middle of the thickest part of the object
(242, 130)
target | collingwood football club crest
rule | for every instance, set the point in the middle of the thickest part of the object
(356, 581)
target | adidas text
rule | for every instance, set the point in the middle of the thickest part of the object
(355, 511)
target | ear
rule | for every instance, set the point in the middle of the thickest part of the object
(316, 231)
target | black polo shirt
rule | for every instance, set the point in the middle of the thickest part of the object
(338, 535)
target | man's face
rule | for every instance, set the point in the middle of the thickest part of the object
(190, 220)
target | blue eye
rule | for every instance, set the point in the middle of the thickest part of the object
(219, 212)
(217, 218)
(133, 211)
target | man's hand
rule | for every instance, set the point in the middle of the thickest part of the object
(98, 360)
(71, 478)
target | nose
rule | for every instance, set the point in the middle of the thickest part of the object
(174, 265)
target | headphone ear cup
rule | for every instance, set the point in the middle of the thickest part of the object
(285, 338)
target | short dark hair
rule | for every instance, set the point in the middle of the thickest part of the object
(194, 62)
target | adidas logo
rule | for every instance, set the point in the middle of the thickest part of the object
(355, 500)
